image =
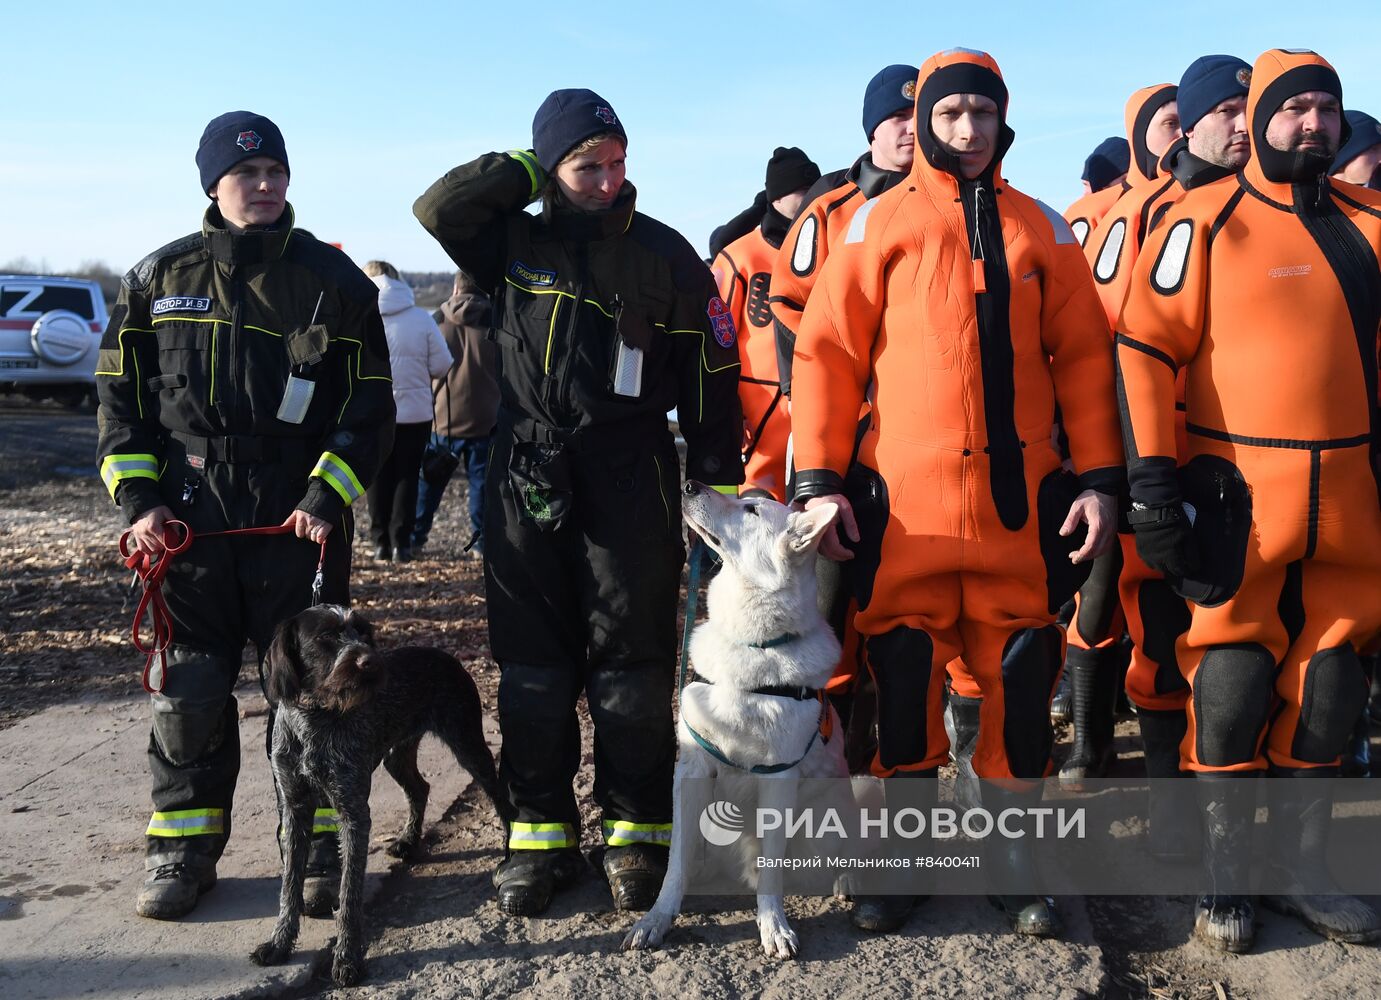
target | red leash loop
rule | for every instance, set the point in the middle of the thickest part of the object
(152, 569)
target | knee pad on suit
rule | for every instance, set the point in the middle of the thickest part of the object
(631, 710)
(1164, 618)
(190, 713)
(901, 662)
(1335, 689)
(538, 693)
(1233, 690)
(1030, 666)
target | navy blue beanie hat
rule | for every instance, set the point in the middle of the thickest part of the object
(566, 119)
(1208, 82)
(236, 136)
(1109, 160)
(1366, 132)
(893, 89)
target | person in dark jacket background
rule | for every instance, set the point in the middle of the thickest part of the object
(465, 410)
(605, 320)
(243, 382)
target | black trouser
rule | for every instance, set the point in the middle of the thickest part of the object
(221, 592)
(591, 607)
(393, 496)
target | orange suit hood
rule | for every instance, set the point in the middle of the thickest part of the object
(955, 71)
(1278, 75)
(1141, 108)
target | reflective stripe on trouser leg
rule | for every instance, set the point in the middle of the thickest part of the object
(541, 836)
(621, 833)
(186, 823)
(325, 821)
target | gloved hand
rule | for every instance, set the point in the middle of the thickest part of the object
(1165, 538)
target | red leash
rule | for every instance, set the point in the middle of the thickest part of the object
(151, 570)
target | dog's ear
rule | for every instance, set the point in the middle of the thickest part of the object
(282, 665)
(363, 627)
(804, 529)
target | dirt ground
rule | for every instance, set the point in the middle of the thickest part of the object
(65, 608)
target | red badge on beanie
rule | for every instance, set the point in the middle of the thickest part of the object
(248, 141)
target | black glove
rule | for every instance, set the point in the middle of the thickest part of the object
(1165, 538)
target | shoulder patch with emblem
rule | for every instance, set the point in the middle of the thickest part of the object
(180, 303)
(721, 323)
(532, 277)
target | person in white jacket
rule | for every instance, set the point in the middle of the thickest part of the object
(418, 354)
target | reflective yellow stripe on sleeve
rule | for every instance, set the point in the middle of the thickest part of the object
(115, 469)
(325, 821)
(729, 490)
(541, 836)
(621, 833)
(530, 164)
(186, 823)
(339, 476)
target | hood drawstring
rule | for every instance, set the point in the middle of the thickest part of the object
(980, 280)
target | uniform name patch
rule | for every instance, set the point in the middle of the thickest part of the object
(180, 303)
(721, 323)
(532, 275)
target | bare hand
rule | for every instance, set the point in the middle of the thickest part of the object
(1099, 512)
(306, 525)
(830, 545)
(147, 532)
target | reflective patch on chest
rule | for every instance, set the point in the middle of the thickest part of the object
(757, 310)
(803, 256)
(532, 277)
(1105, 267)
(858, 225)
(180, 303)
(1080, 228)
(1168, 275)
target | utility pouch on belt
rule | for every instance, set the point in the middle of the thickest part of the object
(1222, 520)
(541, 481)
(633, 337)
(1054, 497)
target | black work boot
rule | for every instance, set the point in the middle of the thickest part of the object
(1301, 816)
(1224, 918)
(1356, 759)
(961, 725)
(635, 873)
(1093, 677)
(174, 886)
(1012, 867)
(1062, 704)
(904, 790)
(321, 883)
(527, 880)
(1175, 833)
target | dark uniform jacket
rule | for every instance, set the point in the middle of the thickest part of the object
(570, 288)
(194, 366)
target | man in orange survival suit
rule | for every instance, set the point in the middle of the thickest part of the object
(1265, 290)
(743, 272)
(1212, 102)
(969, 309)
(1153, 123)
(888, 101)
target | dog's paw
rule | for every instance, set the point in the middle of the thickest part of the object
(403, 848)
(347, 970)
(648, 932)
(270, 953)
(778, 939)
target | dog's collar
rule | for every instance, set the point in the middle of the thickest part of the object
(718, 754)
(798, 692)
(780, 640)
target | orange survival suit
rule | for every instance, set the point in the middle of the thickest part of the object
(1086, 214)
(743, 272)
(1265, 291)
(968, 308)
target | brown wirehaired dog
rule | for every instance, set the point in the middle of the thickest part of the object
(342, 707)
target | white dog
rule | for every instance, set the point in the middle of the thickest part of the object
(761, 662)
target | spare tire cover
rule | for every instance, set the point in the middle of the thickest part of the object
(61, 337)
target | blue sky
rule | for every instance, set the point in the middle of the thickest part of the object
(106, 102)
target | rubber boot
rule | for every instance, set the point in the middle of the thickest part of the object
(321, 884)
(1301, 817)
(1175, 831)
(173, 889)
(889, 912)
(527, 880)
(1012, 865)
(1062, 704)
(1356, 759)
(1093, 677)
(1224, 918)
(635, 874)
(961, 725)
